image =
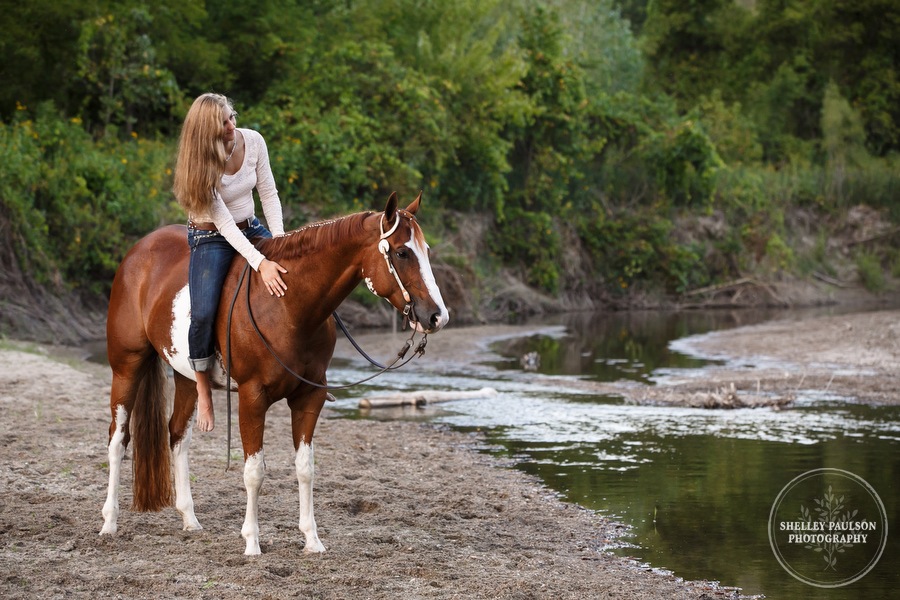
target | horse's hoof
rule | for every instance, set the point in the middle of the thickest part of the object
(315, 547)
(252, 550)
(195, 526)
(109, 529)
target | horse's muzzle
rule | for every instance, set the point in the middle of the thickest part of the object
(430, 323)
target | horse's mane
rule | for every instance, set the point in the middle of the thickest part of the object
(313, 237)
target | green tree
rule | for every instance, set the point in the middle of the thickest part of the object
(123, 82)
(467, 50)
(843, 140)
(37, 50)
(601, 43)
(684, 43)
(258, 38)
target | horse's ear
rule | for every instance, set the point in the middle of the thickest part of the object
(412, 208)
(390, 210)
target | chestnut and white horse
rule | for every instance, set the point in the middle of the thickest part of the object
(147, 327)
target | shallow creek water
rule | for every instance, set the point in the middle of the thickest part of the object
(694, 487)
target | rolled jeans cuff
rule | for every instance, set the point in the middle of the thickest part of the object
(201, 364)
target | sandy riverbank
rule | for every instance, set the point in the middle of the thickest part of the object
(405, 510)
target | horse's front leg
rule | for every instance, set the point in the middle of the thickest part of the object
(252, 415)
(180, 430)
(305, 465)
(254, 473)
(304, 416)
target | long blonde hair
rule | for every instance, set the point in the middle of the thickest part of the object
(201, 153)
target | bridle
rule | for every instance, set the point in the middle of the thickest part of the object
(385, 248)
(409, 316)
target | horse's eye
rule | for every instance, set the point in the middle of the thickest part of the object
(402, 254)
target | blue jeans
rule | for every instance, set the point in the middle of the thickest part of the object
(211, 256)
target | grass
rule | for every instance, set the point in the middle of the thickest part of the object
(870, 273)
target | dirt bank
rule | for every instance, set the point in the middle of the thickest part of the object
(405, 510)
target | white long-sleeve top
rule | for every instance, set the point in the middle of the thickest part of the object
(234, 200)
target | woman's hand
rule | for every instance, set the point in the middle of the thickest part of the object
(271, 271)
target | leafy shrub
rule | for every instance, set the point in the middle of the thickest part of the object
(683, 161)
(530, 240)
(77, 205)
(870, 273)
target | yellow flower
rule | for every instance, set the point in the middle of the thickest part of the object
(124, 161)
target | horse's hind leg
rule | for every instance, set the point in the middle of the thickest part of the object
(118, 441)
(252, 408)
(180, 428)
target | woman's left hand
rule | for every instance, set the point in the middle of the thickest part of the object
(271, 271)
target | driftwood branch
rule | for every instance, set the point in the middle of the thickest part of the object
(829, 280)
(421, 398)
(874, 238)
(720, 287)
(738, 288)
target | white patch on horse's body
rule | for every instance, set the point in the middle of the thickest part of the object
(304, 463)
(177, 355)
(116, 454)
(184, 501)
(371, 286)
(254, 472)
(419, 247)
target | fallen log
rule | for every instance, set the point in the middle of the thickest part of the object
(421, 398)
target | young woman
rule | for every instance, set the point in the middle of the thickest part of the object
(217, 168)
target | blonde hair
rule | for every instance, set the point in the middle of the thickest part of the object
(201, 153)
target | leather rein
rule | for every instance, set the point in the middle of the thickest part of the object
(408, 318)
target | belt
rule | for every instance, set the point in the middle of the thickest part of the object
(210, 226)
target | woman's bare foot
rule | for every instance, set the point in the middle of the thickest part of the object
(206, 416)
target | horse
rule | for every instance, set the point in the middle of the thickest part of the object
(147, 324)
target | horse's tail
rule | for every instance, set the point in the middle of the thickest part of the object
(150, 437)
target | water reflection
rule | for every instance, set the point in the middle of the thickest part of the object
(699, 504)
(696, 486)
(615, 346)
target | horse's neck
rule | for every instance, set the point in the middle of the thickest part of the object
(327, 258)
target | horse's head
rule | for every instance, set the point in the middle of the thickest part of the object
(399, 270)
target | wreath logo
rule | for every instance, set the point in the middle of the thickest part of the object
(841, 519)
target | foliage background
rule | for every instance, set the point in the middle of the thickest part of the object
(603, 150)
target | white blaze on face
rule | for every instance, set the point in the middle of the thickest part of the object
(419, 247)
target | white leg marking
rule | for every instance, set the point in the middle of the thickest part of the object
(254, 471)
(184, 502)
(116, 454)
(305, 465)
